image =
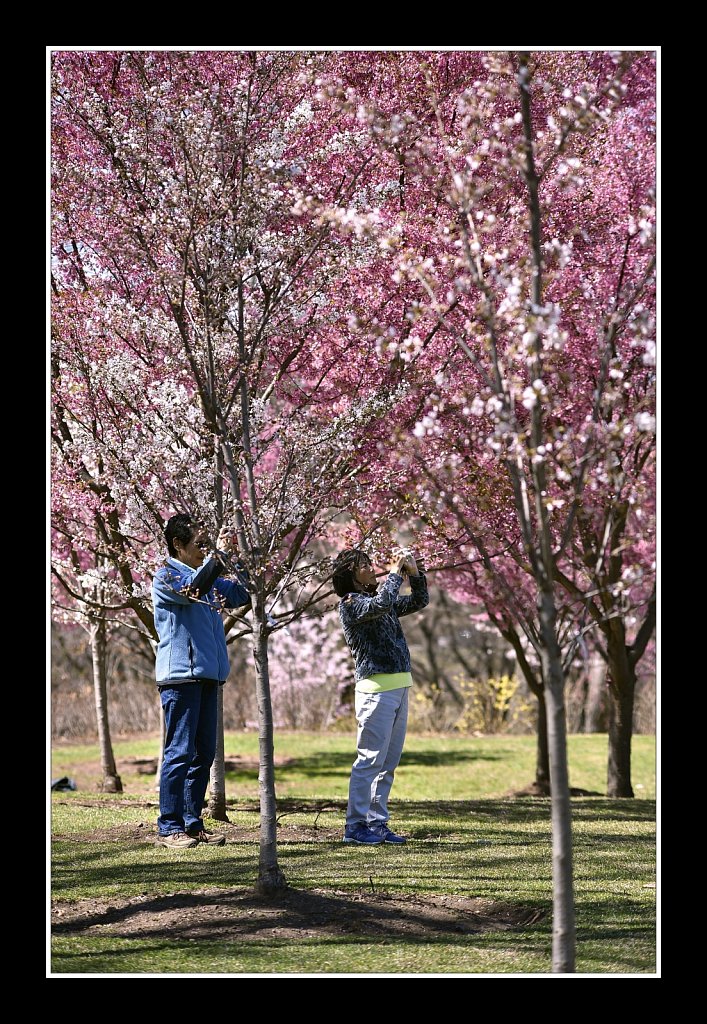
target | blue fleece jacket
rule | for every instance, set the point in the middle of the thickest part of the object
(187, 603)
(371, 628)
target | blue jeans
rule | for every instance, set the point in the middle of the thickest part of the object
(382, 724)
(190, 714)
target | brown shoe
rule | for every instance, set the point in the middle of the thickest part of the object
(176, 841)
(212, 838)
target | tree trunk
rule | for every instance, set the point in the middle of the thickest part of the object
(563, 927)
(622, 689)
(595, 710)
(270, 878)
(541, 786)
(217, 778)
(111, 782)
(542, 758)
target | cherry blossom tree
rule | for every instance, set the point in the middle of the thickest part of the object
(92, 571)
(311, 666)
(399, 284)
(79, 599)
(597, 195)
(219, 268)
(523, 436)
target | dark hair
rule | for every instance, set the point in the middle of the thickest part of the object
(180, 527)
(344, 564)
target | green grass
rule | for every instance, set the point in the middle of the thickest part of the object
(468, 838)
(457, 767)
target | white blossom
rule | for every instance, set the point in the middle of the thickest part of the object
(649, 356)
(645, 422)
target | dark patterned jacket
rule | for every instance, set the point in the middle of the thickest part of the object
(371, 628)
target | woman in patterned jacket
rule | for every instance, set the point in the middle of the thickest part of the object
(376, 641)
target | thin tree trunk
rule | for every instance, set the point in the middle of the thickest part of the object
(217, 778)
(270, 878)
(536, 687)
(621, 662)
(111, 782)
(622, 690)
(542, 756)
(563, 927)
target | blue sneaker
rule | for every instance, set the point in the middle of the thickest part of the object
(386, 835)
(360, 833)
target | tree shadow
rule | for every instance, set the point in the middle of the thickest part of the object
(294, 913)
(95, 869)
(328, 761)
(508, 809)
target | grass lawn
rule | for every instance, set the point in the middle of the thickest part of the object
(473, 846)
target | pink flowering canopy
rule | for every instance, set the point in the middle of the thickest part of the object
(321, 261)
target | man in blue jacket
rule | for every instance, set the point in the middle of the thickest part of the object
(189, 594)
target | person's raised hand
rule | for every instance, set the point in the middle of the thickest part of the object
(398, 565)
(410, 564)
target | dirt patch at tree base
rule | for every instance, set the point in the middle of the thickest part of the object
(227, 915)
(537, 789)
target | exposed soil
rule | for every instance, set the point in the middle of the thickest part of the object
(224, 914)
(536, 789)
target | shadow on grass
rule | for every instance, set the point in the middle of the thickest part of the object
(624, 919)
(266, 956)
(508, 810)
(97, 868)
(480, 837)
(337, 762)
(273, 955)
(338, 765)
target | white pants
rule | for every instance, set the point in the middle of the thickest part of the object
(382, 723)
